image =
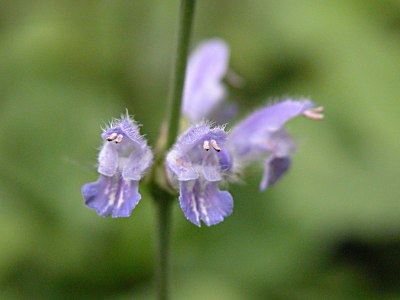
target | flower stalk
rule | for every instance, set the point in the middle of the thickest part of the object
(178, 73)
(163, 200)
(164, 216)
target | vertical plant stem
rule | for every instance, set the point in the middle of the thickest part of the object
(164, 200)
(164, 215)
(179, 68)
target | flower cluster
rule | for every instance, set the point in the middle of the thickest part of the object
(204, 155)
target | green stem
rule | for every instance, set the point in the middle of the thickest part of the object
(164, 215)
(163, 199)
(179, 68)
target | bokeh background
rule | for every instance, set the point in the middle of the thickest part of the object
(330, 229)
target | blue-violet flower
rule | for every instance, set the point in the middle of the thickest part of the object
(203, 89)
(198, 162)
(123, 159)
(261, 136)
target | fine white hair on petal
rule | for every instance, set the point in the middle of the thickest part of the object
(129, 126)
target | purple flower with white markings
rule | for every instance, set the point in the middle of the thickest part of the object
(261, 137)
(123, 159)
(198, 162)
(203, 89)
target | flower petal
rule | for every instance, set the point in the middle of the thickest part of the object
(273, 117)
(137, 163)
(263, 122)
(274, 168)
(186, 159)
(111, 195)
(206, 203)
(203, 89)
(211, 167)
(127, 198)
(215, 205)
(262, 132)
(195, 135)
(225, 160)
(188, 201)
(108, 159)
(181, 166)
(127, 127)
(224, 112)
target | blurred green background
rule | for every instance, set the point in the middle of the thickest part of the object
(329, 230)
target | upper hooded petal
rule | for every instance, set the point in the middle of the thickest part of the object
(188, 157)
(129, 129)
(197, 134)
(255, 134)
(203, 89)
(124, 150)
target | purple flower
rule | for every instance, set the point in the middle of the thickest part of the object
(123, 159)
(197, 163)
(261, 137)
(203, 89)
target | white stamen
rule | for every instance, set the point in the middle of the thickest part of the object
(206, 145)
(319, 109)
(119, 138)
(112, 137)
(215, 145)
(314, 113)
